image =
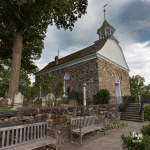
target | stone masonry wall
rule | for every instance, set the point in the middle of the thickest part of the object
(106, 72)
(59, 117)
(98, 74)
(85, 71)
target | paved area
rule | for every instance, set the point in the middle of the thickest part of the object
(110, 141)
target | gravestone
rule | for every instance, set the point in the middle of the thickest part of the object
(25, 103)
(4, 102)
(73, 102)
(38, 103)
(18, 101)
(5, 94)
(30, 103)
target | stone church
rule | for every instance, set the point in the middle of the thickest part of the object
(101, 65)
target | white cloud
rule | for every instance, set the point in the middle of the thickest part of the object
(138, 60)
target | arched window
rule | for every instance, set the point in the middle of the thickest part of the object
(118, 89)
(66, 84)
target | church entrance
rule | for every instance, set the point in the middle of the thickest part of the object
(118, 89)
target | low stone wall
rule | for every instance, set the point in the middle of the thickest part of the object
(59, 117)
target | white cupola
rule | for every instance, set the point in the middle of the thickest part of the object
(105, 30)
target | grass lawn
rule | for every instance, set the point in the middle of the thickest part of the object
(8, 108)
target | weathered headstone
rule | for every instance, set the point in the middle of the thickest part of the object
(18, 101)
(38, 103)
(5, 94)
(30, 103)
(73, 103)
(9, 101)
(4, 102)
(25, 103)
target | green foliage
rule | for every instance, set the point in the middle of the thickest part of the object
(34, 16)
(4, 77)
(129, 144)
(134, 99)
(102, 96)
(145, 130)
(138, 143)
(147, 113)
(24, 82)
(123, 107)
(137, 83)
(77, 95)
(59, 87)
(46, 82)
(117, 124)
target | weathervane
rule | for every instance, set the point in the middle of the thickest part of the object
(104, 11)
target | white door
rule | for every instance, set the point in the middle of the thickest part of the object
(118, 89)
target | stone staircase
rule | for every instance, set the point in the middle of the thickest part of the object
(132, 113)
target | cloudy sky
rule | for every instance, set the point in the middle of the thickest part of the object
(130, 18)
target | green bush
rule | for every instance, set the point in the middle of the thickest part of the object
(77, 95)
(117, 124)
(134, 99)
(136, 142)
(102, 96)
(147, 113)
(145, 130)
(129, 144)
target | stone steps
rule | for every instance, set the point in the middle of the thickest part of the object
(132, 113)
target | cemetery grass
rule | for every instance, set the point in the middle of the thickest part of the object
(8, 108)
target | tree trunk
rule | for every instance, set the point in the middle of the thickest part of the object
(15, 64)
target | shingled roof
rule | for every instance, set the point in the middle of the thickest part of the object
(86, 51)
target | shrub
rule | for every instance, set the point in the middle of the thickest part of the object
(137, 142)
(145, 130)
(77, 95)
(102, 96)
(134, 99)
(132, 142)
(117, 124)
(147, 113)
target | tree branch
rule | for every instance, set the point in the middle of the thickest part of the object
(6, 23)
(6, 39)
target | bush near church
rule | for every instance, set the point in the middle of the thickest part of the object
(147, 113)
(77, 95)
(102, 97)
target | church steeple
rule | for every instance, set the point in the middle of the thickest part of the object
(105, 30)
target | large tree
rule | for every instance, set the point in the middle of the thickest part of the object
(137, 85)
(23, 25)
(24, 81)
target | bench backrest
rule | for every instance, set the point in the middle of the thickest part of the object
(18, 134)
(83, 121)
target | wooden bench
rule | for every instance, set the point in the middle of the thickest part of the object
(82, 125)
(27, 137)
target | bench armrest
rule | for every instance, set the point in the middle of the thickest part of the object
(77, 125)
(57, 131)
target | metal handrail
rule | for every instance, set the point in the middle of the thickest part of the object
(141, 107)
(123, 104)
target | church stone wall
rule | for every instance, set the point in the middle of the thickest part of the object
(98, 74)
(106, 72)
(85, 71)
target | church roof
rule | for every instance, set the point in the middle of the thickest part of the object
(86, 51)
(105, 24)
